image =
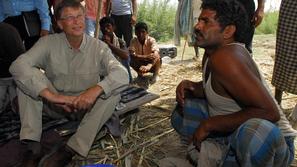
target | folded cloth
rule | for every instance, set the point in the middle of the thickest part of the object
(186, 120)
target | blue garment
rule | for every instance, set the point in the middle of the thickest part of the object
(126, 64)
(90, 26)
(15, 7)
(257, 142)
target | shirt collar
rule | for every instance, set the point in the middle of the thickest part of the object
(83, 44)
(145, 41)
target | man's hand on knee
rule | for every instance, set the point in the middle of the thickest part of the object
(86, 100)
(65, 102)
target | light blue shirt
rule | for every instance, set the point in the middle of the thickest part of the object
(15, 7)
(121, 7)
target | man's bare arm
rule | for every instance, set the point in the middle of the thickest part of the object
(122, 53)
(86, 99)
(245, 87)
(134, 12)
(66, 102)
(259, 13)
(187, 89)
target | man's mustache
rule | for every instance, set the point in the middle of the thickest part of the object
(197, 33)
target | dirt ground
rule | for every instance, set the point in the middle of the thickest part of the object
(148, 135)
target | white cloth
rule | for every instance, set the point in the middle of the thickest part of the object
(121, 7)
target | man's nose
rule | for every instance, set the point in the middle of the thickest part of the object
(198, 26)
(106, 29)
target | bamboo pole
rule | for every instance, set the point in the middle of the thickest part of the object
(186, 39)
(98, 18)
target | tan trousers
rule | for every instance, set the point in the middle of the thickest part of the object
(31, 112)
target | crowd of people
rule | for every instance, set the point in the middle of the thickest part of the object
(230, 118)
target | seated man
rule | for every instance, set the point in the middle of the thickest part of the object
(117, 45)
(231, 116)
(11, 46)
(70, 85)
(144, 52)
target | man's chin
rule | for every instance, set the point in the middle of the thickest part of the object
(200, 45)
(78, 34)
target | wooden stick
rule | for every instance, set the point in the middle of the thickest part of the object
(128, 161)
(146, 143)
(141, 157)
(141, 129)
(116, 145)
(98, 19)
(186, 39)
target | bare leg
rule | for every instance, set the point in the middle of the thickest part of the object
(157, 67)
(278, 95)
(156, 71)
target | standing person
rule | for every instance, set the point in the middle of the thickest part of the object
(255, 17)
(231, 116)
(124, 13)
(91, 14)
(79, 81)
(144, 53)
(196, 13)
(116, 45)
(12, 12)
(186, 18)
(284, 76)
(11, 46)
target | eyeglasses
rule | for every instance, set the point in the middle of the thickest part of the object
(72, 18)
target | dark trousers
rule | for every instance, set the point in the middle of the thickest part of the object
(123, 27)
(18, 23)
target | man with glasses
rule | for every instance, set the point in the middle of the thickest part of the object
(71, 86)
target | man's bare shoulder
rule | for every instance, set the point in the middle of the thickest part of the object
(230, 60)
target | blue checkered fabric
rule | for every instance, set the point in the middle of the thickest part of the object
(185, 121)
(256, 142)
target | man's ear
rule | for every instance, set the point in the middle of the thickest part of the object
(229, 31)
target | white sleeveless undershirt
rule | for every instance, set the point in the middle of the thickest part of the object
(219, 105)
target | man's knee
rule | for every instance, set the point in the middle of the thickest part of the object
(258, 131)
(257, 140)
(186, 120)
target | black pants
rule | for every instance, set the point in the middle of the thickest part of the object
(18, 23)
(123, 27)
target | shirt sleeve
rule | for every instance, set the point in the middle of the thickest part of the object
(26, 69)
(43, 11)
(154, 45)
(116, 75)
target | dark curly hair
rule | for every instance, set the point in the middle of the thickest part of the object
(106, 20)
(141, 25)
(229, 12)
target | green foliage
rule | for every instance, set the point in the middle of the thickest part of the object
(160, 17)
(269, 23)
